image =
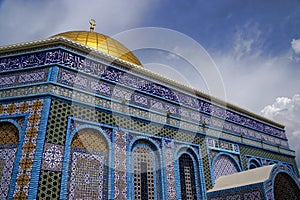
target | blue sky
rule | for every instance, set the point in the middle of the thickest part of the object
(214, 23)
(255, 44)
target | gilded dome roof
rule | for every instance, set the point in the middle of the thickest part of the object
(102, 43)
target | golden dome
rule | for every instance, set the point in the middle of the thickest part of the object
(102, 43)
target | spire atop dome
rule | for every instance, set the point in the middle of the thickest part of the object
(93, 24)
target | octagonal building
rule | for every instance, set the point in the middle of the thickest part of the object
(81, 118)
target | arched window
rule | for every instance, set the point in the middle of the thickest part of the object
(9, 139)
(146, 172)
(253, 163)
(88, 168)
(285, 187)
(187, 177)
(224, 165)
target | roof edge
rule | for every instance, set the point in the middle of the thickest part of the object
(135, 68)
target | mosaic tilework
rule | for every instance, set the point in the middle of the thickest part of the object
(223, 166)
(254, 162)
(187, 177)
(20, 121)
(116, 75)
(56, 131)
(23, 77)
(75, 124)
(81, 81)
(33, 109)
(170, 171)
(52, 157)
(133, 111)
(254, 193)
(8, 135)
(60, 111)
(86, 180)
(7, 159)
(205, 161)
(144, 174)
(58, 118)
(63, 110)
(88, 165)
(266, 155)
(269, 194)
(286, 184)
(49, 185)
(90, 140)
(285, 187)
(160, 118)
(120, 166)
(222, 145)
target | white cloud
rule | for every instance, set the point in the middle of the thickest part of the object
(287, 111)
(256, 80)
(282, 104)
(296, 45)
(247, 38)
(22, 20)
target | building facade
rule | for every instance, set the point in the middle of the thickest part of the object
(80, 118)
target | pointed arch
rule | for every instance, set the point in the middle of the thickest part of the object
(224, 164)
(285, 187)
(86, 164)
(188, 177)
(146, 170)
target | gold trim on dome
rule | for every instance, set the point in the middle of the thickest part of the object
(102, 43)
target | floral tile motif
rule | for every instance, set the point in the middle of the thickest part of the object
(52, 157)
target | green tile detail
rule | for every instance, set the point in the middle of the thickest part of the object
(49, 185)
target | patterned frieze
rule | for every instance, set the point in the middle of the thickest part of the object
(63, 57)
(152, 116)
(156, 105)
(81, 81)
(23, 77)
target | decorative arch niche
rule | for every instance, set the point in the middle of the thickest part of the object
(88, 165)
(146, 177)
(285, 187)
(224, 164)
(188, 168)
